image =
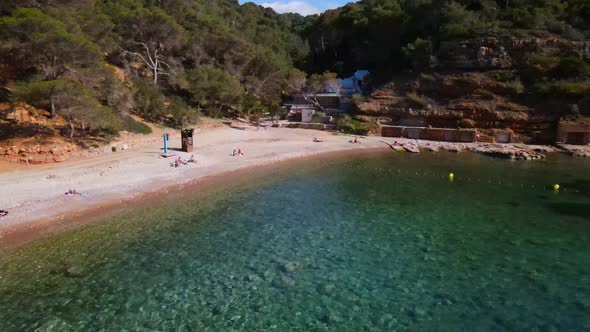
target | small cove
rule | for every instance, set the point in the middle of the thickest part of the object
(373, 242)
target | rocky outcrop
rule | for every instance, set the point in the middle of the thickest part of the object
(468, 100)
(38, 152)
(454, 86)
(508, 151)
(504, 53)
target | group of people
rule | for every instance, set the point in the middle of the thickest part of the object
(179, 161)
(237, 153)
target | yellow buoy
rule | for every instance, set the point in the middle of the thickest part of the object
(556, 187)
(451, 176)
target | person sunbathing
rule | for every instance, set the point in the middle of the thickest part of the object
(74, 192)
(3, 213)
(315, 139)
(192, 159)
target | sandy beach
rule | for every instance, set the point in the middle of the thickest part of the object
(34, 195)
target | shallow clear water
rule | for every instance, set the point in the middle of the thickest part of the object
(369, 243)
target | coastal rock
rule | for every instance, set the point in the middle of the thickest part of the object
(452, 148)
(514, 152)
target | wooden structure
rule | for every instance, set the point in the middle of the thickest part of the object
(187, 140)
(577, 133)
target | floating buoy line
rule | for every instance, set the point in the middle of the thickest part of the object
(453, 177)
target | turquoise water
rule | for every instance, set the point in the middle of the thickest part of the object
(367, 243)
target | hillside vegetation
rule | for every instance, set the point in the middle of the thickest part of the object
(95, 62)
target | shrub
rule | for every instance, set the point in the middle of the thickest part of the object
(149, 100)
(319, 114)
(557, 68)
(427, 78)
(213, 112)
(417, 100)
(180, 114)
(516, 87)
(563, 89)
(134, 126)
(347, 125)
(363, 118)
(502, 75)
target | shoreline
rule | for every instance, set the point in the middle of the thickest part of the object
(28, 222)
(37, 206)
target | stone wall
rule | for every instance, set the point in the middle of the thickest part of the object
(433, 134)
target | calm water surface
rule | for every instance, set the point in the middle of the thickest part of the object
(369, 243)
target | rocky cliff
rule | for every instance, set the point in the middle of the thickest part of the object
(478, 84)
(505, 53)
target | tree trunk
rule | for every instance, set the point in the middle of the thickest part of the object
(52, 108)
(155, 70)
(71, 129)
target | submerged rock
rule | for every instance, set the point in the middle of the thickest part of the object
(292, 267)
(74, 272)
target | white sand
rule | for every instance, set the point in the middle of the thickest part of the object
(30, 194)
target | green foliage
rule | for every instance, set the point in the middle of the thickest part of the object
(419, 54)
(516, 87)
(213, 112)
(319, 114)
(416, 100)
(36, 93)
(348, 125)
(463, 23)
(541, 67)
(180, 114)
(133, 126)
(563, 89)
(149, 100)
(502, 75)
(384, 35)
(427, 78)
(32, 41)
(209, 86)
(225, 58)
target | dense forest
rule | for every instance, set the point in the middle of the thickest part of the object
(95, 62)
(392, 36)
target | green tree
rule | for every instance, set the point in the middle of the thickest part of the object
(209, 86)
(152, 37)
(419, 54)
(34, 43)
